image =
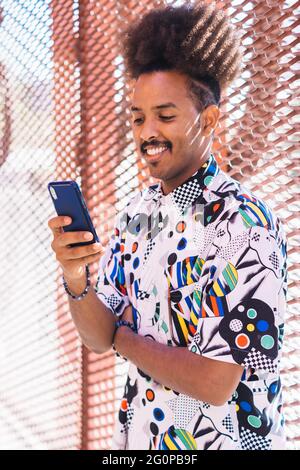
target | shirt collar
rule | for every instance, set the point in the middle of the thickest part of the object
(192, 188)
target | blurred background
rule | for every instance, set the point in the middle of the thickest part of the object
(64, 114)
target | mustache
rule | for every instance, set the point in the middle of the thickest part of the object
(155, 143)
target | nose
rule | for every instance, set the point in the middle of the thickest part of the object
(148, 130)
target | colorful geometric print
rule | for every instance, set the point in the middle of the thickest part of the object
(251, 325)
(156, 315)
(177, 439)
(199, 265)
(126, 411)
(226, 282)
(215, 283)
(195, 312)
(181, 328)
(254, 212)
(273, 390)
(183, 272)
(215, 301)
(117, 276)
(157, 319)
(213, 306)
(280, 335)
(250, 416)
(180, 305)
(213, 211)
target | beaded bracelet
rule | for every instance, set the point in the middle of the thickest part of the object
(118, 324)
(84, 293)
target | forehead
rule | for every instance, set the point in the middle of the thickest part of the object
(154, 88)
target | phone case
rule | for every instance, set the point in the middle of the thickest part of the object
(68, 200)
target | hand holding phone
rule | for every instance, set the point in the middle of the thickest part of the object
(68, 200)
(72, 249)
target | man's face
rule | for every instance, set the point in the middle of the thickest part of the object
(177, 128)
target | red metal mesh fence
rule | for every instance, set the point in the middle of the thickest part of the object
(64, 114)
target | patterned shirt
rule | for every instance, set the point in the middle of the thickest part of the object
(203, 267)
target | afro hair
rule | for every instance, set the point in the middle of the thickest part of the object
(195, 39)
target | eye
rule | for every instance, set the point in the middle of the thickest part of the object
(167, 117)
(136, 121)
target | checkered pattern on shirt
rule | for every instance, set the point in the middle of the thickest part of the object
(185, 195)
(142, 294)
(129, 414)
(206, 405)
(252, 441)
(227, 423)
(149, 248)
(113, 301)
(257, 360)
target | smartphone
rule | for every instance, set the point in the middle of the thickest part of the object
(68, 200)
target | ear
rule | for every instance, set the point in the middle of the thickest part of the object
(210, 118)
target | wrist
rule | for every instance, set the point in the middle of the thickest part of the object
(80, 277)
(77, 289)
(76, 285)
(123, 327)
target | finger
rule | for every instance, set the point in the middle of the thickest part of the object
(56, 223)
(92, 258)
(68, 238)
(70, 265)
(81, 252)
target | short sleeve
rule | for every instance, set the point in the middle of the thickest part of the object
(111, 285)
(240, 318)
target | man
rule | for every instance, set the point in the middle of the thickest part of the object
(196, 268)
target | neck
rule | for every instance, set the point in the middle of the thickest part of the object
(169, 185)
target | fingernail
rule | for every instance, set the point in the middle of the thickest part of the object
(88, 236)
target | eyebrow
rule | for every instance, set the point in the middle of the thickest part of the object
(160, 106)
